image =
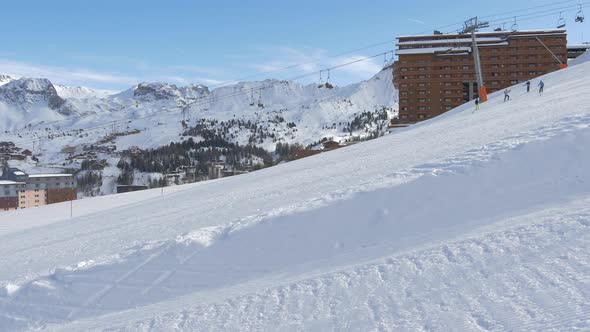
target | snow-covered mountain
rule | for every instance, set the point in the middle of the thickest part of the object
(471, 221)
(27, 93)
(5, 79)
(64, 125)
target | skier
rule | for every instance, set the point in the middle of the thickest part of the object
(476, 103)
(541, 85)
(528, 86)
(506, 95)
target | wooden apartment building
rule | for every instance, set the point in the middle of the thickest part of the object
(436, 73)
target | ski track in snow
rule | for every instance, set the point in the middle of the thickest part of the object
(467, 222)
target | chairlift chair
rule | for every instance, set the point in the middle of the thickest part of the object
(560, 22)
(321, 84)
(251, 97)
(514, 26)
(328, 85)
(580, 15)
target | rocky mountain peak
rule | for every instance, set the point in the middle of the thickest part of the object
(28, 91)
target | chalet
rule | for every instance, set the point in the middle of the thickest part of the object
(129, 188)
(331, 145)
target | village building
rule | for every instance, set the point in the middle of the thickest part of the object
(9, 194)
(60, 187)
(215, 170)
(36, 189)
(575, 50)
(436, 73)
(129, 188)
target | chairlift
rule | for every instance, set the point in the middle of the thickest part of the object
(260, 104)
(251, 97)
(580, 15)
(514, 26)
(328, 85)
(560, 22)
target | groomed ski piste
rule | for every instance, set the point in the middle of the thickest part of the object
(466, 222)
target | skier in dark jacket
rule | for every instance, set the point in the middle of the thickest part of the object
(506, 95)
(528, 86)
(541, 85)
(476, 103)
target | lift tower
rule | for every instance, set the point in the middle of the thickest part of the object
(471, 26)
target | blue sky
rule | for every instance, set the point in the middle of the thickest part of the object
(115, 44)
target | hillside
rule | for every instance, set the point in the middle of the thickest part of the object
(469, 221)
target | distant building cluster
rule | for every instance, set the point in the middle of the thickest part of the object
(19, 190)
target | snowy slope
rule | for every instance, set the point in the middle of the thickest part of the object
(585, 57)
(470, 221)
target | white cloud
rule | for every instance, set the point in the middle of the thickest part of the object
(66, 76)
(177, 74)
(285, 62)
(416, 21)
